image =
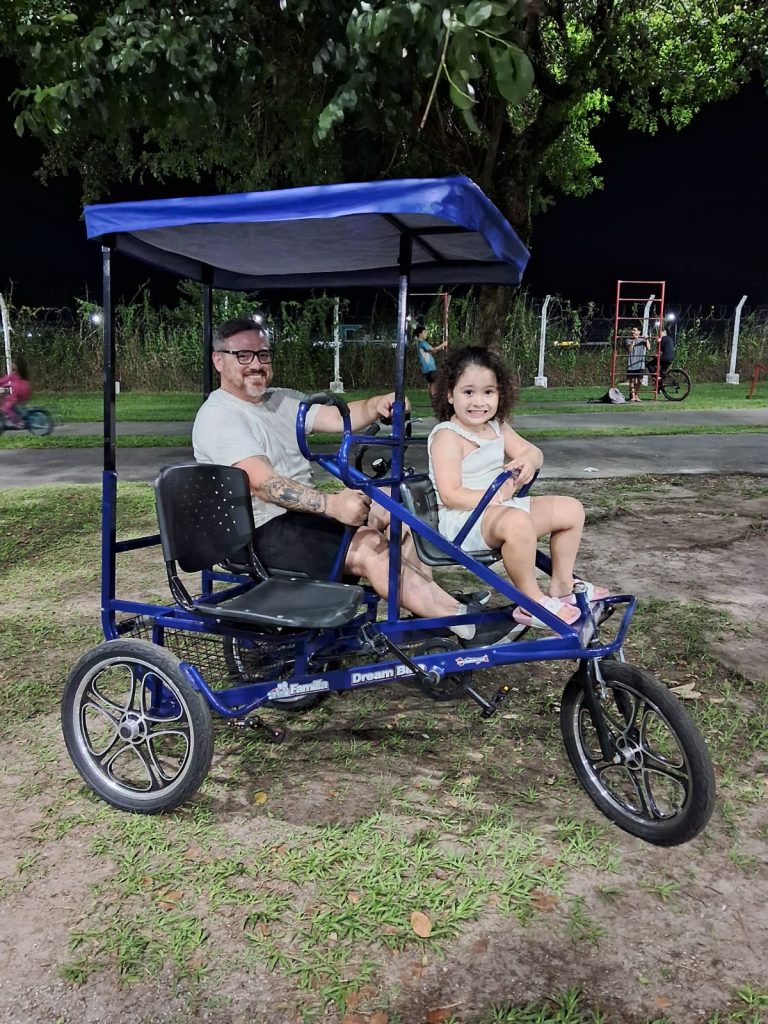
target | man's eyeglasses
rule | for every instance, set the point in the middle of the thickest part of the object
(245, 356)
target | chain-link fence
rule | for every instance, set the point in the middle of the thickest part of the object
(161, 350)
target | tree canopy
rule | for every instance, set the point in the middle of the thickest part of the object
(270, 93)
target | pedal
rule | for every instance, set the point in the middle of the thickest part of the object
(257, 724)
(488, 708)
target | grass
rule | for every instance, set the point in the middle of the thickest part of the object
(14, 441)
(182, 406)
(709, 396)
(305, 863)
(572, 1007)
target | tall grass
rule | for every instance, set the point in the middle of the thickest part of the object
(161, 349)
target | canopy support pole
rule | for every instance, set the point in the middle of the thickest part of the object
(109, 476)
(108, 361)
(398, 421)
(207, 339)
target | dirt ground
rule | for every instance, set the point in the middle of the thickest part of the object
(648, 934)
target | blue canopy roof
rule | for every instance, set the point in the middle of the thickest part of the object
(325, 235)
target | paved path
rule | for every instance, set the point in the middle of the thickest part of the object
(565, 458)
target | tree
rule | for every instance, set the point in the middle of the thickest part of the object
(280, 92)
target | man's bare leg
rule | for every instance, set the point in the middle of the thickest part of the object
(368, 555)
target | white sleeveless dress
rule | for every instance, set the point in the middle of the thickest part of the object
(478, 470)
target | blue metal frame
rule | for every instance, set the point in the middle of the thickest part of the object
(579, 642)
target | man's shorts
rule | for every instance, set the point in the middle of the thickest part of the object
(301, 542)
(430, 376)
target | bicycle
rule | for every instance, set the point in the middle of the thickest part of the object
(37, 421)
(674, 383)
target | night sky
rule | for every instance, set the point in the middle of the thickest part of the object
(687, 207)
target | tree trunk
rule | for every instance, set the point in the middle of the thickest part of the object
(493, 305)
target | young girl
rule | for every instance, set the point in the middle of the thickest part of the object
(467, 450)
(18, 381)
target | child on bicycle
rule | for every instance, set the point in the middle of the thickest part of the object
(468, 449)
(15, 388)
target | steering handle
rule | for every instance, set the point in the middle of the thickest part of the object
(506, 474)
(319, 398)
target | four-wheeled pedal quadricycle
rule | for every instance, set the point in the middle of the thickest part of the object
(138, 709)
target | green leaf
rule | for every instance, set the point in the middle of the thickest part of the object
(462, 100)
(513, 74)
(477, 12)
(471, 123)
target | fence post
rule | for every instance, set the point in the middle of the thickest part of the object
(6, 333)
(732, 377)
(541, 381)
(337, 384)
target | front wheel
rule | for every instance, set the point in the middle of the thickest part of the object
(39, 422)
(136, 729)
(675, 385)
(659, 785)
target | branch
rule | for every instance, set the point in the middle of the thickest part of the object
(440, 68)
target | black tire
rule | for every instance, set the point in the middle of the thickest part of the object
(253, 660)
(136, 729)
(675, 385)
(663, 789)
(39, 422)
(448, 687)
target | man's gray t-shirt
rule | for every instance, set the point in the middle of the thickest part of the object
(228, 430)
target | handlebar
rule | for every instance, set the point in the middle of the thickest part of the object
(339, 463)
(319, 398)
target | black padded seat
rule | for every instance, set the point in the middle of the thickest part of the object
(291, 601)
(418, 496)
(206, 519)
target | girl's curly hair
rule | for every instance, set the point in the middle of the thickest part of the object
(452, 368)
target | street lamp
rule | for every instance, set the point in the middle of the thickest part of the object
(96, 318)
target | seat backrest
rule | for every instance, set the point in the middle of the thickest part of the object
(418, 496)
(204, 514)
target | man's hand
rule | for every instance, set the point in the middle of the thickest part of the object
(348, 507)
(380, 406)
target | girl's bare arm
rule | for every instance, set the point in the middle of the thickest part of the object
(446, 456)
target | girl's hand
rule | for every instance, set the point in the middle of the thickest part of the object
(526, 467)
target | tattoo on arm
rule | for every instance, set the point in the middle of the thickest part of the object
(287, 493)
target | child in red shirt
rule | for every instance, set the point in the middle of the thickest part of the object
(20, 390)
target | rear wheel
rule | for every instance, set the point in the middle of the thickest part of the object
(255, 660)
(660, 784)
(136, 729)
(675, 385)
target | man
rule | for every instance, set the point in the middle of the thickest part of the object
(250, 425)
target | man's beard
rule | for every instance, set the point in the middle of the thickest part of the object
(255, 384)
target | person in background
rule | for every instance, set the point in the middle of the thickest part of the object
(666, 351)
(637, 350)
(426, 354)
(19, 390)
